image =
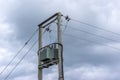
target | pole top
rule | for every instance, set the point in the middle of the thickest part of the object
(53, 16)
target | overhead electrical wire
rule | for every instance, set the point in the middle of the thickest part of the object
(91, 41)
(49, 30)
(20, 60)
(50, 37)
(65, 27)
(94, 26)
(19, 51)
(66, 24)
(94, 34)
(100, 36)
(65, 34)
(23, 57)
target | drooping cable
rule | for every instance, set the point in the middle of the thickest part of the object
(19, 51)
(94, 26)
(50, 37)
(91, 41)
(89, 32)
(23, 57)
(49, 30)
(94, 35)
(20, 60)
(100, 36)
(67, 20)
(118, 49)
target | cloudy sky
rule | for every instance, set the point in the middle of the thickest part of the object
(89, 53)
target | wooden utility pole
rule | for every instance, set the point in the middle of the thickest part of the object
(39, 46)
(45, 23)
(60, 55)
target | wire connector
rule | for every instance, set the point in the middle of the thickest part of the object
(67, 18)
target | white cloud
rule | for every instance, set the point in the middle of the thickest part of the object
(3, 54)
(85, 72)
(88, 72)
(6, 33)
(30, 77)
(24, 15)
(5, 30)
(7, 6)
(50, 76)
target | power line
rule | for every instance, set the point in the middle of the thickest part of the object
(19, 51)
(67, 21)
(66, 25)
(118, 49)
(20, 60)
(94, 26)
(94, 34)
(23, 56)
(90, 33)
(32, 35)
(67, 18)
(66, 34)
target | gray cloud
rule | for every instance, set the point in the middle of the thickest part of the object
(22, 18)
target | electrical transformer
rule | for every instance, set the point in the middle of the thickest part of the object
(48, 54)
